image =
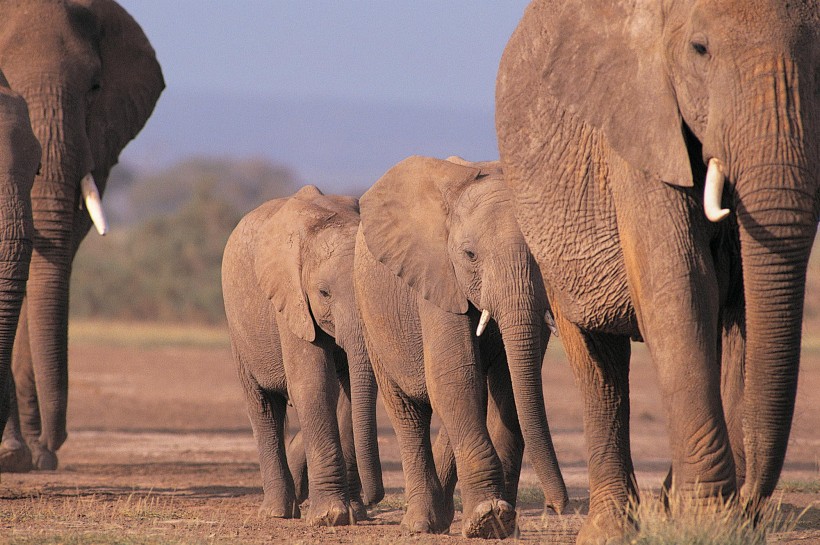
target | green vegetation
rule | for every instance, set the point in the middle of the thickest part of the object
(162, 261)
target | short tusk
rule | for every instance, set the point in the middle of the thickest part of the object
(713, 191)
(551, 323)
(91, 196)
(482, 323)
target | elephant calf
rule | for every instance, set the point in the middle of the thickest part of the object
(438, 246)
(287, 282)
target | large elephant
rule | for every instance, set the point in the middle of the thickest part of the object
(618, 124)
(91, 79)
(287, 282)
(19, 160)
(439, 246)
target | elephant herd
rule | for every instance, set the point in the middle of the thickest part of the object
(658, 182)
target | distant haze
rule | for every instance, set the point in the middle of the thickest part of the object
(338, 91)
(339, 145)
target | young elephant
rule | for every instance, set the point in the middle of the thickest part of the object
(287, 284)
(439, 246)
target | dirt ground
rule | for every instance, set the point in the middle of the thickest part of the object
(160, 450)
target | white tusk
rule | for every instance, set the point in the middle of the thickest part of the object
(713, 191)
(482, 323)
(91, 196)
(551, 323)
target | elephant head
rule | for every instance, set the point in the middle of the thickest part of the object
(91, 79)
(304, 265)
(19, 160)
(447, 228)
(674, 87)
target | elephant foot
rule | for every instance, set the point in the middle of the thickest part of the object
(43, 458)
(15, 458)
(491, 519)
(281, 508)
(424, 520)
(330, 513)
(359, 510)
(606, 528)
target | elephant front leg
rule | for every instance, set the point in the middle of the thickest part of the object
(600, 364)
(314, 389)
(674, 287)
(266, 411)
(458, 392)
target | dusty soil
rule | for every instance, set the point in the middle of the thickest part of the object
(160, 450)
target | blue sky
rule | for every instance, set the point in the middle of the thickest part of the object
(423, 52)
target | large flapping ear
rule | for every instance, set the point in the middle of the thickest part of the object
(130, 85)
(279, 257)
(603, 61)
(404, 222)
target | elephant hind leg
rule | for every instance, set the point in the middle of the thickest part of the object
(505, 431)
(600, 363)
(344, 417)
(297, 464)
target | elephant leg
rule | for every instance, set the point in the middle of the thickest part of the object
(733, 363)
(458, 392)
(297, 465)
(266, 411)
(344, 417)
(600, 363)
(505, 431)
(445, 461)
(425, 511)
(22, 430)
(674, 286)
(313, 388)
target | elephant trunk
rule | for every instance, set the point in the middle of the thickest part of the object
(520, 316)
(363, 392)
(55, 204)
(778, 223)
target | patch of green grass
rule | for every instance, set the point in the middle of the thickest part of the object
(530, 495)
(147, 335)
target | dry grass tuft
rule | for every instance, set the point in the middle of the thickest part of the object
(707, 522)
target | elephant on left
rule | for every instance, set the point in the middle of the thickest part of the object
(90, 78)
(19, 160)
(296, 334)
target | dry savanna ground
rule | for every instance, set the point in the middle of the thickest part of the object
(160, 451)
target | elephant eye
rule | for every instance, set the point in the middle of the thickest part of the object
(470, 255)
(324, 293)
(700, 48)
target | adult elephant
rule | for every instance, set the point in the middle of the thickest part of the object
(91, 80)
(618, 123)
(439, 246)
(287, 281)
(19, 160)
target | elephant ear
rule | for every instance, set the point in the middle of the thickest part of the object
(130, 85)
(604, 62)
(404, 221)
(278, 264)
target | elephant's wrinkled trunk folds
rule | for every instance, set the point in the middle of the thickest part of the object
(66, 158)
(520, 316)
(363, 392)
(778, 223)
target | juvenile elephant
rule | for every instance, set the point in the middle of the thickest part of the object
(618, 124)
(91, 80)
(287, 282)
(439, 246)
(19, 160)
